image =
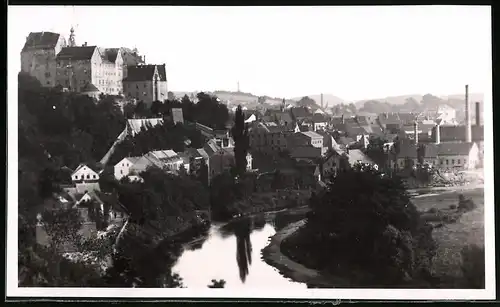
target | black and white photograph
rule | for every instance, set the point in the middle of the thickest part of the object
(279, 152)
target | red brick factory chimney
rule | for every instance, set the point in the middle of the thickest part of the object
(468, 130)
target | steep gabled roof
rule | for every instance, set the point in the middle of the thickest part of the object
(141, 73)
(162, 72)
(77, 53)
(41, 40)
(111, 54)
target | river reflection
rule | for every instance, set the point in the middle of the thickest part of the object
(233, 252)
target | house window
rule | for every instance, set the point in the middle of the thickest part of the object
(88, 176)
(94, 176)
(121, 172)
(458, 161)
(447, 161)
(441, 161)
(452, 161)
(76, 177)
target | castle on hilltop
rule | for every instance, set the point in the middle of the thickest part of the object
(92, 70)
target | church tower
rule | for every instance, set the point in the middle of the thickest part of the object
(72, 42)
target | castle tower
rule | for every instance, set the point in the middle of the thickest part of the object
(72, 42)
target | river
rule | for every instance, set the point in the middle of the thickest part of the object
(232, 251)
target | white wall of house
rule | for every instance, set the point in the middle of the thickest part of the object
(85, 173)
(122, 168)
(460, 161)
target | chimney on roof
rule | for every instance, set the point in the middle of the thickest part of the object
(321, 100)
(478, 114)
(468, 132)
(342, 118)
(144, 59)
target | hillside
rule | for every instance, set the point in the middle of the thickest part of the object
(329, 100)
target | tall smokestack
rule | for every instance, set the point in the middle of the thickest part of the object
(438, 131)
(415, 131)
(478, 114)
(468, 130)
(322, 101)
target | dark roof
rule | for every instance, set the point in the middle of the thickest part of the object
(145, 73)
(454, 149)
(77, 53)
(407, 118)
(89, 88)
(389, 118)
(407, 150)
(319, 118)
(162, 72)
(307, 152)
(140, 73)
(299, 112)
(41, 40)
(457, 133)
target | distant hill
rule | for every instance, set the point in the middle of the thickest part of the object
(393, 100)
(402, 99)
(419, 103)
(329, 100)
(247, 100)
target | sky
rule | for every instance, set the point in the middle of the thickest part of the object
(351, 52)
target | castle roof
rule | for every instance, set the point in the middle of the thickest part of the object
(77, 53)
(41, 40)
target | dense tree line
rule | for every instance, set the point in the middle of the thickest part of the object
(365, 220)
(208, 110)
(72, 128)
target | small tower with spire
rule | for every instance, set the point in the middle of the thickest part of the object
(72, 42)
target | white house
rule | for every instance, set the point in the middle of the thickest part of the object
(458, 155)
(83, 173)
(122, 168)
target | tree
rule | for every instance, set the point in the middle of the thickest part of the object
(375, 227)
(156, 107)
(375, 151)
(241, 141)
